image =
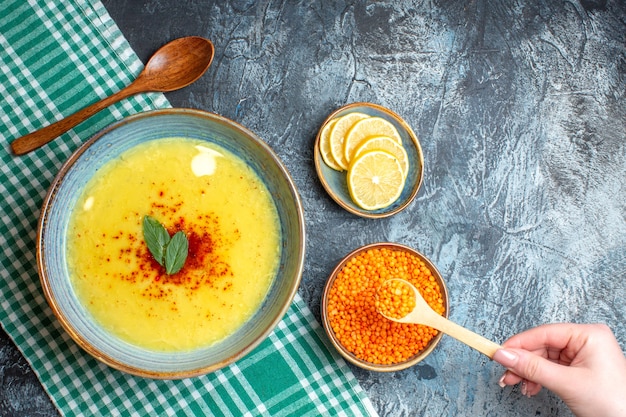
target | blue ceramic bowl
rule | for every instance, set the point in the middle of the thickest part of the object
(334, 182)
(109, 144)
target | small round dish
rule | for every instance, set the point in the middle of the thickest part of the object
(347, 354)
(334, 182)
(52, 241)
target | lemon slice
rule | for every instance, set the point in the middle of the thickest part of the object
(375, 180)
(363, 129)
(327, 156)
(385, 143)
(338, 133)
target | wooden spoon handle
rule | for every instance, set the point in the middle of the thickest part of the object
(44, 135)
(464, 335)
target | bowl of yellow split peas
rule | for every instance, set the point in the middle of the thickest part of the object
(357, 330)
(368, 160)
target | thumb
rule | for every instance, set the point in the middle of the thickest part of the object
(535, 368)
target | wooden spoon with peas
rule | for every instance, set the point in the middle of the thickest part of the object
(399, 300)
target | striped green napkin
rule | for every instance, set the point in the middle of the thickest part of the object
(55, 58)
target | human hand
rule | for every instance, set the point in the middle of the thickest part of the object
(581, 363)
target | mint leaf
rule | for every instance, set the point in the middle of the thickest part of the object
(156, 237)
(176, 253)
(170, 253)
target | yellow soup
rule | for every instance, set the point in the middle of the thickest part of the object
(231, 224)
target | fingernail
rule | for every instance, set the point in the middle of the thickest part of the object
(501, 381)
(524, 389)
(505, 357)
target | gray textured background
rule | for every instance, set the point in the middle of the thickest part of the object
(520, 109)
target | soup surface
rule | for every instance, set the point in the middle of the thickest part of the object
(230, 221)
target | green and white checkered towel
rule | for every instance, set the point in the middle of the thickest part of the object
(55, 58)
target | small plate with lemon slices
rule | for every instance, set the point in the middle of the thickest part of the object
(369, 160)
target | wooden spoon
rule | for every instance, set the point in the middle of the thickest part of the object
(422, 313)
(175, 65)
